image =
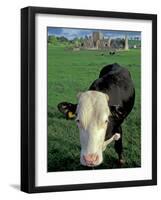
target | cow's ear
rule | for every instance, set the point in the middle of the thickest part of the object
(68, 109)
(116, 111)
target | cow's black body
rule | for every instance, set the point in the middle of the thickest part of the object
(116, 82)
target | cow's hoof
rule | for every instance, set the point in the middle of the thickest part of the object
(120, 162)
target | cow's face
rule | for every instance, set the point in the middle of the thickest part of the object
(92, 120)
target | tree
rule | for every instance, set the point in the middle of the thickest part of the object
(52, 39)
(63, 39)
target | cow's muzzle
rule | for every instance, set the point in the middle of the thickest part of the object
(91, 160)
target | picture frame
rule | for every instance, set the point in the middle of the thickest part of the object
(29, 48)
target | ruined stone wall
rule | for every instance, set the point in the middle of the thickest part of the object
(97, 41)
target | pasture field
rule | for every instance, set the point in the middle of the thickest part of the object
(70, 72)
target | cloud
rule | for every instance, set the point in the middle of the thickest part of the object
(73, 33)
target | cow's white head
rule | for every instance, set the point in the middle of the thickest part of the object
(92, 120)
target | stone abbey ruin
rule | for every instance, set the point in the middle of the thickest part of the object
(97, 41)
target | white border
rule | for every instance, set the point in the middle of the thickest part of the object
(92, 176)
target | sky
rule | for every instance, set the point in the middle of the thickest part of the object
(72, 33)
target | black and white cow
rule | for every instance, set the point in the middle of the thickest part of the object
(100, 112)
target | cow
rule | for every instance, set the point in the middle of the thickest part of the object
(112, 52)
(100, 112)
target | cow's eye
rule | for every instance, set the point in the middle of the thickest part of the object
(77, 120)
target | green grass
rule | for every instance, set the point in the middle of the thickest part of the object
(70, 72)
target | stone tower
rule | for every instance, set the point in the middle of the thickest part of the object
(109, 42)
(126, 43)
(97, 36)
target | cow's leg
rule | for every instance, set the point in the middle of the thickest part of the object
(119, 147)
